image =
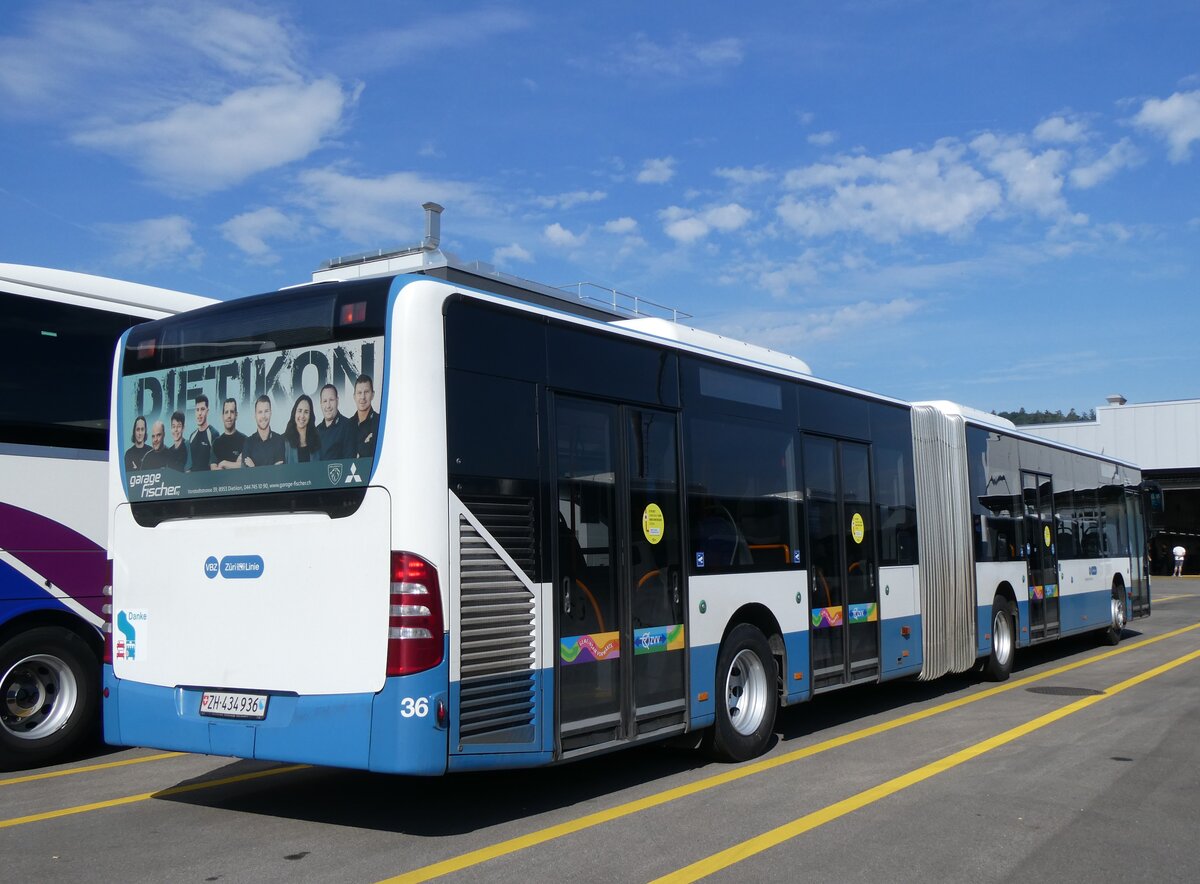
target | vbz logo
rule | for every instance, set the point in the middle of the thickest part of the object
(211, 567)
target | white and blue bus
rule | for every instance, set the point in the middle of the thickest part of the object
(60, 331)
(504, 528)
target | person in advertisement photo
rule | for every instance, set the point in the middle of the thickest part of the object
(177, 452)
(303, 441)
(202, 439)
(135, 453)
(228, 449)
(156, 457)
(334, 430)
(265, 447)
(366, 420)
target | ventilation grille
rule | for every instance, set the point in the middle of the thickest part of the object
(497, 653)
(510, 521)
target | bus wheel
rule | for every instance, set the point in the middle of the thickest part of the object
(1113, 634)
(49, 696)
(746, 699)
(1004, 640)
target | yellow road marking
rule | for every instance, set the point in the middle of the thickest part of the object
(521, 842)
(808, 822)
(146, 796)
(89, 768)
(1170, 598)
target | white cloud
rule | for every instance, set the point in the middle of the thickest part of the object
(786, 331)
(898, 194)
(681, 59)
(128, 59)
(154, 242)
(198, 148)
(621, 226)
(657, 171)
(386, 209)
(251, 230)
(1122, 155)
(1176, 120)
(557, 235)
(1061, 130)
(511, 253)
(572, 199)
(686, 226)
(744, 177)
(823, 139)
(1032, 180)
(378, 48)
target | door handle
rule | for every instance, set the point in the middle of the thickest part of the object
(566, 602)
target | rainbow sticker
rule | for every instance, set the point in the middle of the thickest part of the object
(590, 648)
(1037, 593)
(658, 638)
(824, 618)
(868, 613)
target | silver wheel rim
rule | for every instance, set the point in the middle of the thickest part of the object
(37, 696)
(1118, 615)
(746, 692)
(1002, 638)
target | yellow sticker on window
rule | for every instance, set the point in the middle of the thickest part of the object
(653, 523)
(857, 531)
(1046, 534)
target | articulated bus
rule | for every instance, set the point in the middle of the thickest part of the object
(60, 330)
(490, 529)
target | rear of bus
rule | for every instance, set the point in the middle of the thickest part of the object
(276, 587)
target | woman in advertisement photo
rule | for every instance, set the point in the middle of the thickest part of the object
(137, 451)
(303, 443)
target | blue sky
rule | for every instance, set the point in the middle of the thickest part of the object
(994, 202)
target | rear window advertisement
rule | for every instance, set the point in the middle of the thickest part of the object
(287, 420)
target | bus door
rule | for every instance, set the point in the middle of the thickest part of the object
(1041, 556)
(1139, 578)
(618, 573)
(843, 581)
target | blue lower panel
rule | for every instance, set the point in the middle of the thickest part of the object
(392, 731)
(702, 666)
(900, 654)
(1078, 612)
(795, 644)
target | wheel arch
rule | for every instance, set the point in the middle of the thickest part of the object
(761, 618)
(59, 619)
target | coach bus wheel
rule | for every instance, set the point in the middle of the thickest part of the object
(49, 684)
(1113, 634)
(1004, 640)
(745, 695)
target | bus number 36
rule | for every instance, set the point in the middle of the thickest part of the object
(414, 707)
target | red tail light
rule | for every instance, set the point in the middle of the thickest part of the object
(415, 623)
(107, 613)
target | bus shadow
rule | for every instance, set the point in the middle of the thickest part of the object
(462, 803)
(441, 806)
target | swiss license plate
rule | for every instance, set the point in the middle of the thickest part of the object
(224, 704)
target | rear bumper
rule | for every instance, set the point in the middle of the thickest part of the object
(388, 731)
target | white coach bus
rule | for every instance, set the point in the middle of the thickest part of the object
(60, 330)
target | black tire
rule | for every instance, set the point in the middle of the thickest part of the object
(1116, 626)
(746, 696)
(999, 663)
(49, 696)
